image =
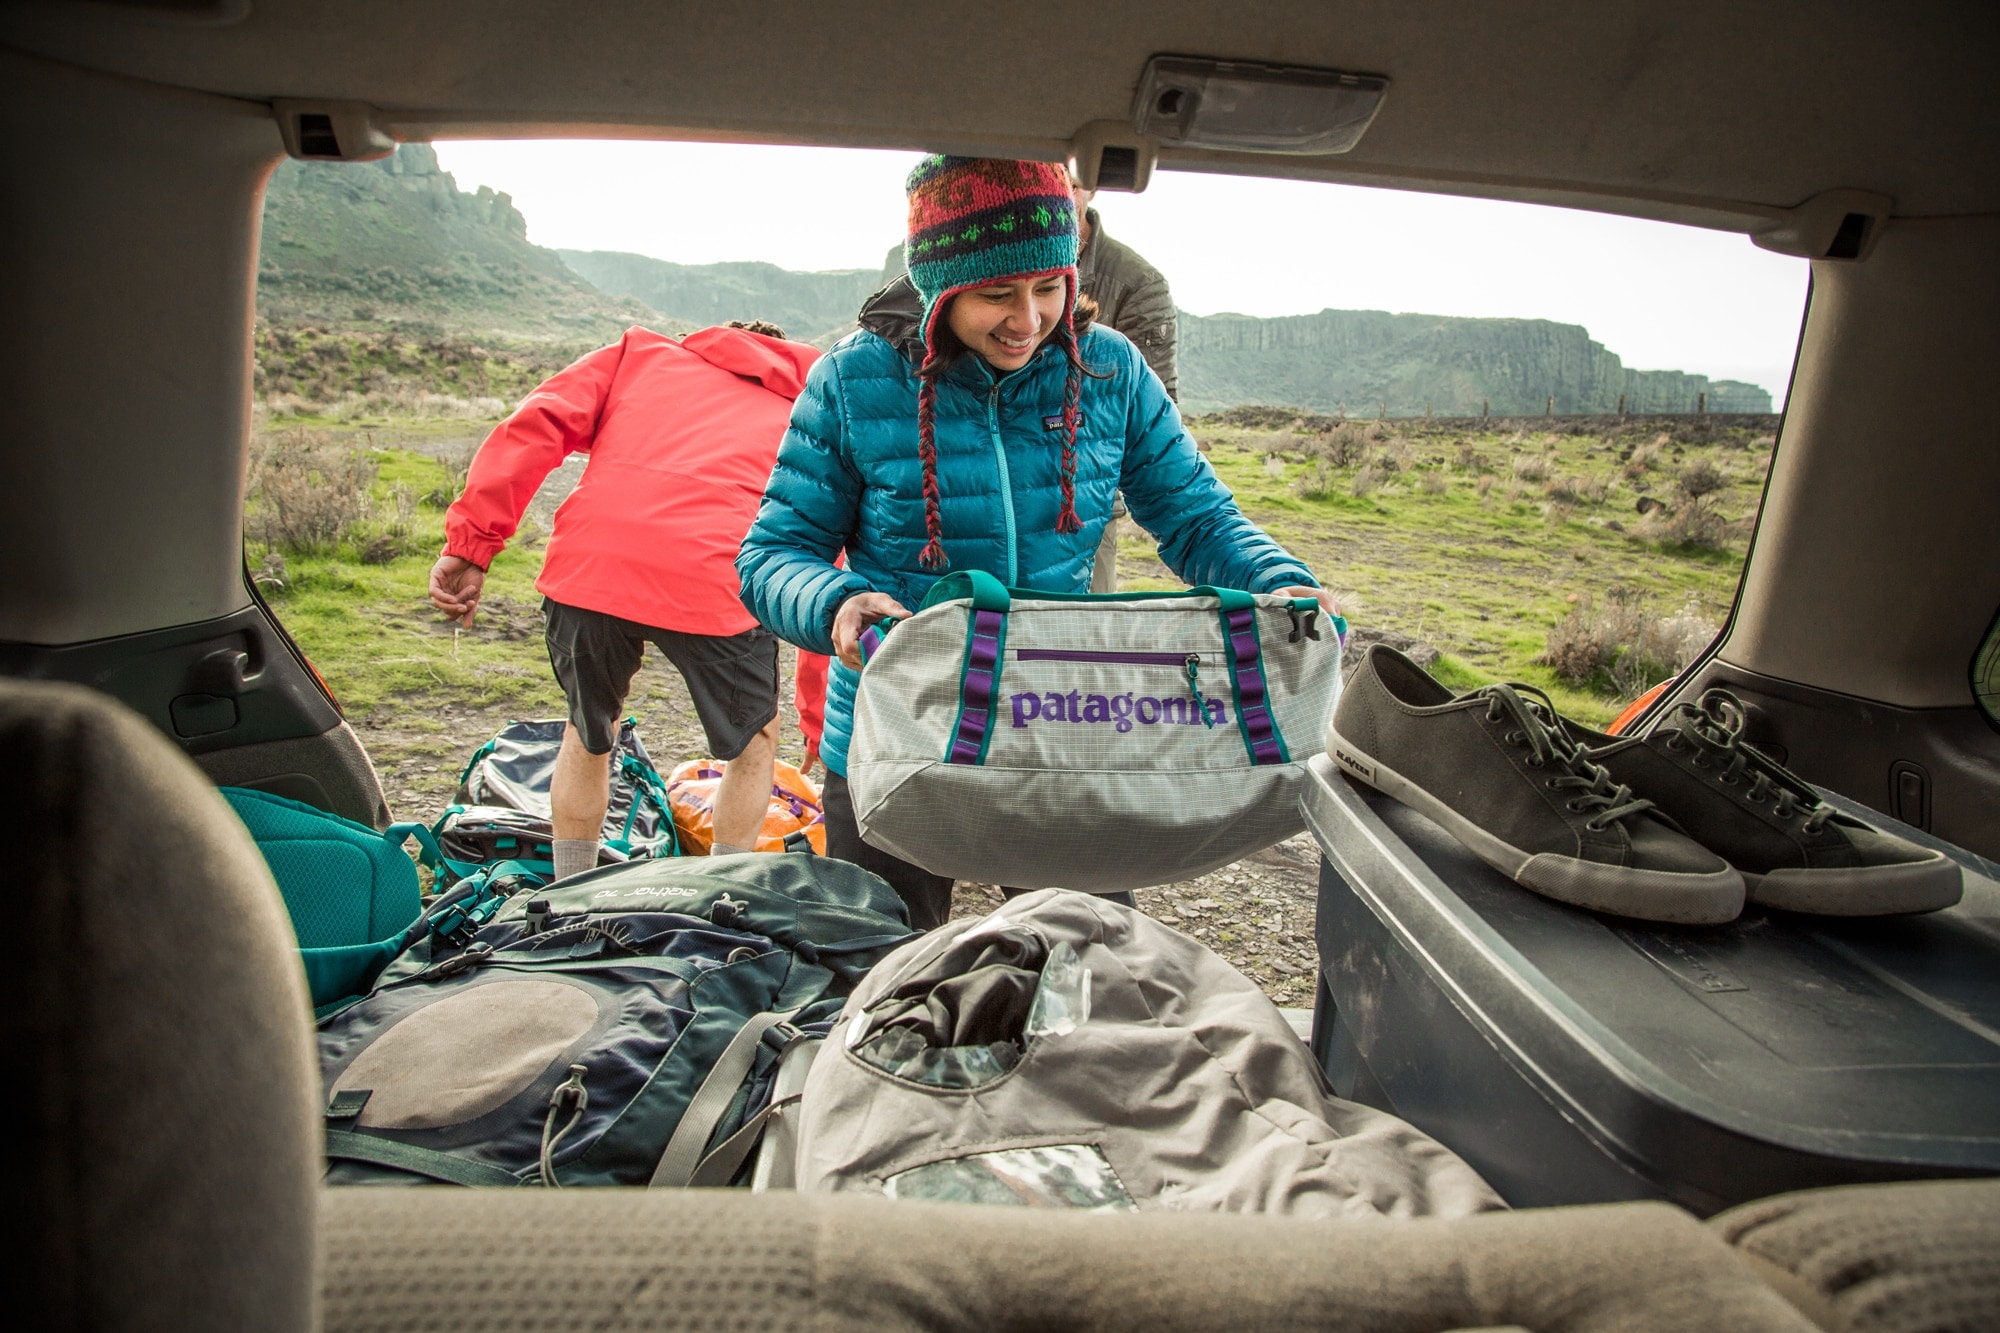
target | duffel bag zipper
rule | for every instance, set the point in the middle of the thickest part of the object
(1189, 663)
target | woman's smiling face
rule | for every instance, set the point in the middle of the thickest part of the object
(1005, 322)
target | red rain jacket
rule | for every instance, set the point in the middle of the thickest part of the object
(681, 437)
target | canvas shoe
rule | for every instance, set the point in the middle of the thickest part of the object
(1794, 851)
(1496, 770)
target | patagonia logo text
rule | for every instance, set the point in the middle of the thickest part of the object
(1054, 421)
(1122, 711)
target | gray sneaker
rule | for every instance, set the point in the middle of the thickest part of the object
(1794, 851)
(1495, 769)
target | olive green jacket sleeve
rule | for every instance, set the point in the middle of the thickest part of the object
(1132, 297)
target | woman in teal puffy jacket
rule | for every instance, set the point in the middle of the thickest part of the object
(977, 421)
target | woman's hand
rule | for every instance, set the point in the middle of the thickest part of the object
(1320, 595)
(856, 614)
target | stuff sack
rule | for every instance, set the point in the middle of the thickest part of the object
(794, 821)
(350, 890)
(620, 1027)
(511, 773)
(1071, 1052)
(1097, 742)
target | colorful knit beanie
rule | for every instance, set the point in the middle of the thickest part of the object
(975, 221)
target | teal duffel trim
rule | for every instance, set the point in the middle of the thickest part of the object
(345, 1145)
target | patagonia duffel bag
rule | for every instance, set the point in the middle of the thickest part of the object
(619, 1027)
(1095, 742)
(1071, 1052)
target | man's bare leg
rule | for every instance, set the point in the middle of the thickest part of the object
(579, 794)
(745, 793)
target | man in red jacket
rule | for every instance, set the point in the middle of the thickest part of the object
(681, 437)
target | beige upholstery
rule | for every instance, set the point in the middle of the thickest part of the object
(1880, 1258)
(162, 1091)
(445, 1260)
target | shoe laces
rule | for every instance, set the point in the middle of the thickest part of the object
(1713, 728)
(1537, 726)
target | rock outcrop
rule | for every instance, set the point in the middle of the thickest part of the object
(1364, 361)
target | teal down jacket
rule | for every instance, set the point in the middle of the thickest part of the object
(848, 479)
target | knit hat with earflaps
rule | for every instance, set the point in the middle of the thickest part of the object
(975, 221)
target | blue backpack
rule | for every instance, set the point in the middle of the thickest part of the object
(620, 1027)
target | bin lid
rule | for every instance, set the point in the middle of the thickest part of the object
(1874, 1041)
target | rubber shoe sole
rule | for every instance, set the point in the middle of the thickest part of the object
(1652, 895)
(1883, 890)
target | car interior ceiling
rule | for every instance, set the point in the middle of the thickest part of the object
(140, 136)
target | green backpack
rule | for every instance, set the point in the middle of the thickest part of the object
(351, 891)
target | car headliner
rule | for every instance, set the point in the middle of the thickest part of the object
(1711, 112)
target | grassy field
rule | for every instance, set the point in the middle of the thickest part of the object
(1478, 544)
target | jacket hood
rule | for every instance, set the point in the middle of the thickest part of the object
(778, 365)
(895, 314)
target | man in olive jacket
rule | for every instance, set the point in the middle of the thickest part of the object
(1132, 298)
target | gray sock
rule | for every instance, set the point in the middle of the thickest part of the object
(574, 856)
(728, 849)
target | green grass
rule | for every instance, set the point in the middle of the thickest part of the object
(373, 635)
(1482, 578)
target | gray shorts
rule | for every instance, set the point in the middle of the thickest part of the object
(733, 678)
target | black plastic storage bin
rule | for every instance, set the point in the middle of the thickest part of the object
(1577, 1058)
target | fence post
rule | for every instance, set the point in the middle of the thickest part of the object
(1427, 411)
(1701, 404)
(1485, 409)
(1552, 406)
(1621, 407)
(1381, 411)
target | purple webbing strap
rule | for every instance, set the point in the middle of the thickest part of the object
(1252, 705)
(871, 642)
(982, 672)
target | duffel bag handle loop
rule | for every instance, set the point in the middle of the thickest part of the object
(987, 593)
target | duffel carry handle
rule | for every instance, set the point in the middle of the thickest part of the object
(987, 593)
(873, 635)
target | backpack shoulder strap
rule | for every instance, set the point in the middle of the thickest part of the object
(683, 1154)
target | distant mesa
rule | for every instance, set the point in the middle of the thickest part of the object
(1370, 361)
(397, 243)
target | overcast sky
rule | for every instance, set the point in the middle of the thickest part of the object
(1662, 297)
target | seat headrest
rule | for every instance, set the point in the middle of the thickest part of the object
(161, 1082)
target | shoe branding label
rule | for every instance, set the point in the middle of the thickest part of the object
(1121, 711)
(1366, 772)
